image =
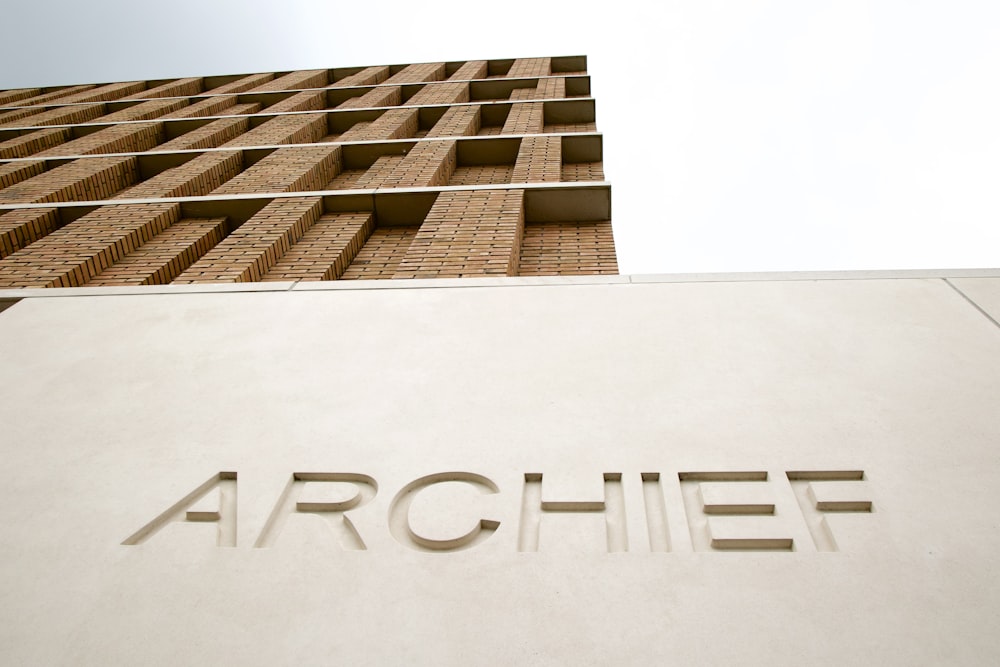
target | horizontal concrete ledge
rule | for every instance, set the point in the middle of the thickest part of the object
(525, 281)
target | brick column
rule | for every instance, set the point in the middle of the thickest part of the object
(568, 248)
(80, 180)
(29, 144)
(474, 69)
(59, 116)
(21, 228)
(144, 111)
(178, 88)
(288, 170)
(383, 96)
(214, 106)
(304, 101)
(17, 95)
(393, 124)
(418, 73)
(369, 76)
(211, 135)
(524, 118)
(441, 93)
(131, 138)
(197, 177)
(250, 251)
(241, 85)
(428, 164)
(466, 234)
(315, 78)
(72, 255)
(299, 129)
(166, 255)
(524, 68)
(457, 122)
(326, 249)
(539, 160)
(15, 172)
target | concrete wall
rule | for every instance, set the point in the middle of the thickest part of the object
(519, 461)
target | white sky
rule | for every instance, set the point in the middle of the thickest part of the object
(739, 135)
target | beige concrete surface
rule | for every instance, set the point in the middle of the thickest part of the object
(661, 473)
(984, 292)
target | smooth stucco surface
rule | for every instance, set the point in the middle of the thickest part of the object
(115, 407)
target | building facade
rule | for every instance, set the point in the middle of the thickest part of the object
(459, 169)
(219, 446)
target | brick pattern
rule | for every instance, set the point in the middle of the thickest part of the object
(212, 135)
(241, 85)
(56, 96)
(200, 176)
(457, 122)
(210, 106)
(326, 249)
(428, 164)
(15, 172)
(570, 127)
(583, 171)
(166, 255)
(29, 144)
(178, 88)
(561, 249)
(441, 93)
(299, 129)
(16, 95)
(306, 101)
(524, 118)
(80, 180)
(20, 228)
(539, 160)
(112, 91)
(144, 111)
(467, 234)
(418, 73)
(131, 138)
(383, 96)
(288, 170)
(248, 253)
(316, 78)
(486, 174)
(381, 254)
(59, 116)
(72, 255)
(546, 89)
(474, 69)
(369, 76)
(530, 67)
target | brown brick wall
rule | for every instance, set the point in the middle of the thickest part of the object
(441, 93)
(571, 127)
(20, 228)
(59, 116)
(546, 89)
(326, 249)
(381, 254)
(298, 129)
(15, 172)
(178, 88)
(566, 248)
(474, 69)
(315, 78)
(393, 124)
(305, 101)
(539, 160)
(144, 111)
(457, 122)
(131, 138)
(583, 171)
(72, 255)
(383, 96)
(33, 142)
(17, 95)
(80, 180)
(211, 106)
(366, 77)
(197, 177)
(524, 118)
(418, 73)
(428, 164)
(112, 91)
(530, 67)
(467, 234)
(211, 135)
(248, 253)
(166, 255)
(242, 85)
(288, 170)
(486, 174)
(56, 96)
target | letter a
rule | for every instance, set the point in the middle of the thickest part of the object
(189, 509)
